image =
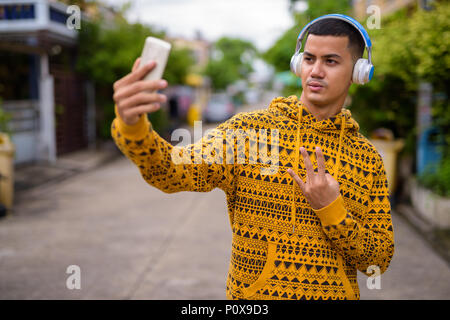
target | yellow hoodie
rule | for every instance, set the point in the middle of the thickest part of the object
(281, 247)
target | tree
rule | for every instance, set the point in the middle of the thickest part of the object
(317, 8)
(280, 54)
(230, 62)
(418, 49)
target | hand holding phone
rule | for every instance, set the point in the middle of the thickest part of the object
(135, 94)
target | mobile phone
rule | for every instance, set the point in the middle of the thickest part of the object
(155, 50)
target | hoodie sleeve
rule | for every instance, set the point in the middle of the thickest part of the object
(195, 167)
(367, 241)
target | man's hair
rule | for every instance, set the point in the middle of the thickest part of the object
(339, 28)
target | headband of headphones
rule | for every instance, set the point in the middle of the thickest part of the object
(348, 19)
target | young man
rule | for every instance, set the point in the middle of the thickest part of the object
(302, 231)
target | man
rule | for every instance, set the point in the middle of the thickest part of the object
(302, 231)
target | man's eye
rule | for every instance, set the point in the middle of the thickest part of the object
(308, 59)
(331, 61)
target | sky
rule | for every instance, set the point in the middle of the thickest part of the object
(260, 21)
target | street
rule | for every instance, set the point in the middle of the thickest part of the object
(132, 241)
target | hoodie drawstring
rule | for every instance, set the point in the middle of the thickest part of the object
(297, 155)
(297, 148)
(338, 157)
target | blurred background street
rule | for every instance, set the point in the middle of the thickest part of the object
(69, 197)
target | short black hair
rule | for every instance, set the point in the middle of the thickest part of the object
(339, 28)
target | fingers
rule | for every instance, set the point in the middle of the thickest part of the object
(137, 111)
(139, 86)
(134, 96)
(136, 64)
(317, 185)
(320, 163)
(140, 99)
(308, 165)
(135, 75)
(296, 179)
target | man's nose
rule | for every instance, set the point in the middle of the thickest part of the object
(317, 70)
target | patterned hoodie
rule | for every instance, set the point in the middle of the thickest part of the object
(281, 247)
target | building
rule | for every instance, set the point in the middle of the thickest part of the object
(52, 107)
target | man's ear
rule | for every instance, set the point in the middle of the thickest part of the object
(351, 74)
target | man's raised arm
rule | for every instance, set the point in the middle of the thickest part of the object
(168, 168)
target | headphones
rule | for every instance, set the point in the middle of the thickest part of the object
(363, 68)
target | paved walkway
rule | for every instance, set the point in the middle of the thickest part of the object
(132, 241)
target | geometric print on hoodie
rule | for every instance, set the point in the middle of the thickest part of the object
(281, 247)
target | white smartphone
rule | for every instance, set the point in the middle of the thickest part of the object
(155, 50)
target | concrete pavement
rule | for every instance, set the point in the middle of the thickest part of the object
(131, 241)
(416, 270)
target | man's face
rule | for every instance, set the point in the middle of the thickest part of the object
(326, 69)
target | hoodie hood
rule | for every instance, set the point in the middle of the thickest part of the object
(341, 123)
(291, 107)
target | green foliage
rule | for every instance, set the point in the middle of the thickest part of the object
(231, 63)
(222, 73)
(280, 54)
(432, 53)
(106, 54)
(418, 50)
(418, 45)
(317, 8)
(159, 120)
(409, 48)
(178, 65)
(387, 103)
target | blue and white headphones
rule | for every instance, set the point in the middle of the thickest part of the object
(363, 69)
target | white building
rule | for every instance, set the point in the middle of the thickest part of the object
(52, 106)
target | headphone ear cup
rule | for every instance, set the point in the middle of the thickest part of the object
(296, 63)
(362, 71)
(299, 65)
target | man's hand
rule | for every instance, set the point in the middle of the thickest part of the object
(320, 188)
(134, 96)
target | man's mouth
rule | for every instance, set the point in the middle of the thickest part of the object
(315, 86)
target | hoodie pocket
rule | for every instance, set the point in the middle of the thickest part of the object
(269, 267)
